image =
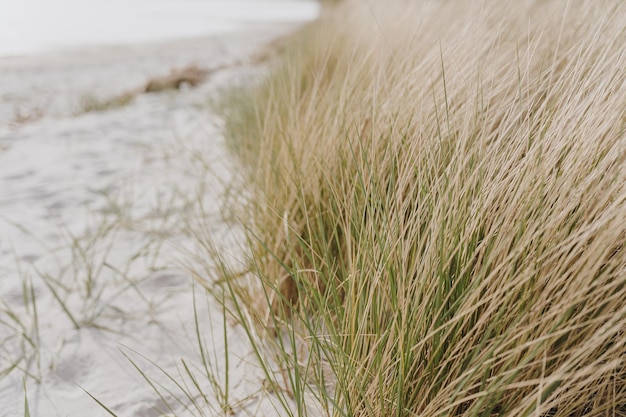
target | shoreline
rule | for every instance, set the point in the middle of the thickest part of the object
(78, 51)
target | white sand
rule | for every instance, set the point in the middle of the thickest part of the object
(91, 219)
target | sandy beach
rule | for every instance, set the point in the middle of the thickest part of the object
(95, 213)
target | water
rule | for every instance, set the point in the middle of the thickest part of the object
(29, 26)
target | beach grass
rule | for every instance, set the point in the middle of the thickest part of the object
(435, 205)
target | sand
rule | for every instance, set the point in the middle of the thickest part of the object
(95, 214)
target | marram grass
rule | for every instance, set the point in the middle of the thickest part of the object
(436, 207)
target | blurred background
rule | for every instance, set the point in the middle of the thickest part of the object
(30, 26)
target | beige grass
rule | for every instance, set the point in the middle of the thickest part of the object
(438, 196)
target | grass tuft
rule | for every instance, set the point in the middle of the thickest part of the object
(435, 210)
